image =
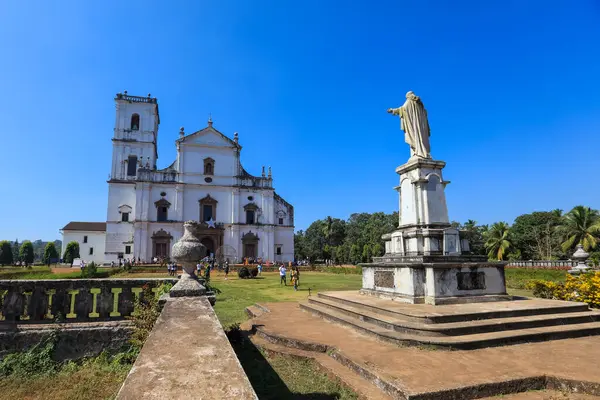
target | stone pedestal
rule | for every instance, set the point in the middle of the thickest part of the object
(426, 260)
(421, 193)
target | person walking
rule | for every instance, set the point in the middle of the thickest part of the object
(259, 267)
(226, 270)
(282, 276)
(295, 279)
(297, 276)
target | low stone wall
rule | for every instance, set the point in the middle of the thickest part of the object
(186, 346)
(75, 341)
(71, 300)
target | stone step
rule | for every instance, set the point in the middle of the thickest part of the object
(464, 342)
(362, 387)
(429, 314)
(253, 311)
(456, 328)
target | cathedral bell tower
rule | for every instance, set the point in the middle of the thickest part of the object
(135, 135)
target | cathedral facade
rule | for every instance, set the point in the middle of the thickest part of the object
(241, 215)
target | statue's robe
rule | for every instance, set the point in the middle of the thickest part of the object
(413, 121)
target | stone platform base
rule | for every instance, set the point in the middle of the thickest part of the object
(405, 372)
(457, 326)
(441, 280)
(438, 301)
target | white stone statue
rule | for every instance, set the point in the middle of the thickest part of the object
(413, 121)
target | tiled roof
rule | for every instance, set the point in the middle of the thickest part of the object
(85, 226)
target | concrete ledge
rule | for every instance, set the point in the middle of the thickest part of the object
(186, 346)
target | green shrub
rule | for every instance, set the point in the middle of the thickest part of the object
(244, 273)
(38, 360)
(583, 288)
(146, 311)
(90, 271)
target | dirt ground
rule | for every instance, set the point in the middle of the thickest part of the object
(422, 370)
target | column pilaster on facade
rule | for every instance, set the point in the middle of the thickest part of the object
(235, 205)
(179, 202)
(268, 207)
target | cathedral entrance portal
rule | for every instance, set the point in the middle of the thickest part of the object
(250, 245)
(250, 251)
(209, 244)
(211, 237)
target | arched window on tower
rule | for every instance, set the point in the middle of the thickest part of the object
(135, 122)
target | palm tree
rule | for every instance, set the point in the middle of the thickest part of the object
(581, 226)
(498, 240)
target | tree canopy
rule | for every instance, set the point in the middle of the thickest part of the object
(50, 253)
(71, 252)
(26, 252)
(355, 240)
(6, 253)
(540, 235)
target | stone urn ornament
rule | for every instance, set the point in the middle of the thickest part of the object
(187, 251)
(580, 256)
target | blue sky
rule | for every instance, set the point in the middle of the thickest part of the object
(512, 90)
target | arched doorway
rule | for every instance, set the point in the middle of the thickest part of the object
(209, 244)
(250, 245)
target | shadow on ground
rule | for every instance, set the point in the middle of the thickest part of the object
(264, 379)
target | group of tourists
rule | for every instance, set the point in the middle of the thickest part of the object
(172, 268)
(294, 276)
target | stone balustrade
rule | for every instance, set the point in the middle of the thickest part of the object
(543, 264)
(148, 175)
(71, 300)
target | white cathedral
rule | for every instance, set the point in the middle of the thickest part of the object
(241, 214)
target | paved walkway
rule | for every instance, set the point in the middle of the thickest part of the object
(421, 370)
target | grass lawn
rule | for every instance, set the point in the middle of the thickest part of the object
(92, 380)
(237, 294)
(517, 278)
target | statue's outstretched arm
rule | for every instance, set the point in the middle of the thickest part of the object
(394, 111)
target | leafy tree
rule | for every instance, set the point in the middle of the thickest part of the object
(71, 252)
(377, 250)
(536, 235)
(299, 246)
(6, 254)
(15, 250)
(50, 253)
(26, 252)
(355, 254)
(327, 252)
(498, 241)
(474, 234)
(341, 254)
(581, 225)
(595, 258)
(367, 228)
(366, 253)
(515, 255)
(315, 240)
